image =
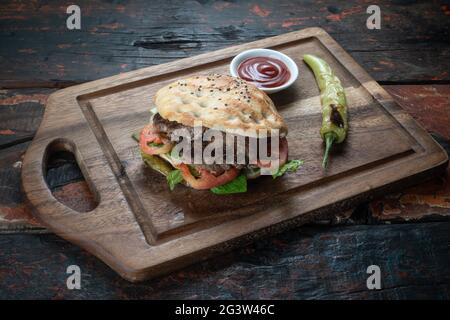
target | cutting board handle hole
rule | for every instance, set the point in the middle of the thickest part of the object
(65, 179)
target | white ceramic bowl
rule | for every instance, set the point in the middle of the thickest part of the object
(290, 64)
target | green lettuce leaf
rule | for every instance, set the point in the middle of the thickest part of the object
(290, 166)
(237, 185)
(173, 178)
(155, 145)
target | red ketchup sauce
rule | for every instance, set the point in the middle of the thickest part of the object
(264, 72)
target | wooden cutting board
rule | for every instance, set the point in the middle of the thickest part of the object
(141, 229)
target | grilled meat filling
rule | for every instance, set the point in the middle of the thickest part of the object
(167, 128)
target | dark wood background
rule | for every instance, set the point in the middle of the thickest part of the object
(406, 234)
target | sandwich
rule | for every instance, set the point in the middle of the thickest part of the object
(209, 132)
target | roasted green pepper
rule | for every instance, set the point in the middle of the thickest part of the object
(157, 163)
(334, 105)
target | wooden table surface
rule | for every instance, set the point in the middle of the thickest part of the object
(406, 234)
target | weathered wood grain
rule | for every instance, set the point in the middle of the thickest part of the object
(38, 50)
(429, 105)
(20, 114)
(429, 200)
(64, 178)
(304, 263)
(423, 102)
(141, 229)
(14, 213)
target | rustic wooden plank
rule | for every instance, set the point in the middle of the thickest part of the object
(64, 179)
(20, 114)
(430, 106)
(14, 214)
(304, 263)
(423, 102)
(142, 229)
(429, 200)
(38, 49)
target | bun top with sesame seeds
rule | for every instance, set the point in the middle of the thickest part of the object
(221, 102)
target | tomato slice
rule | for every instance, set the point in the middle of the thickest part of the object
(150, 136)
(207, 180)
(283, 155)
